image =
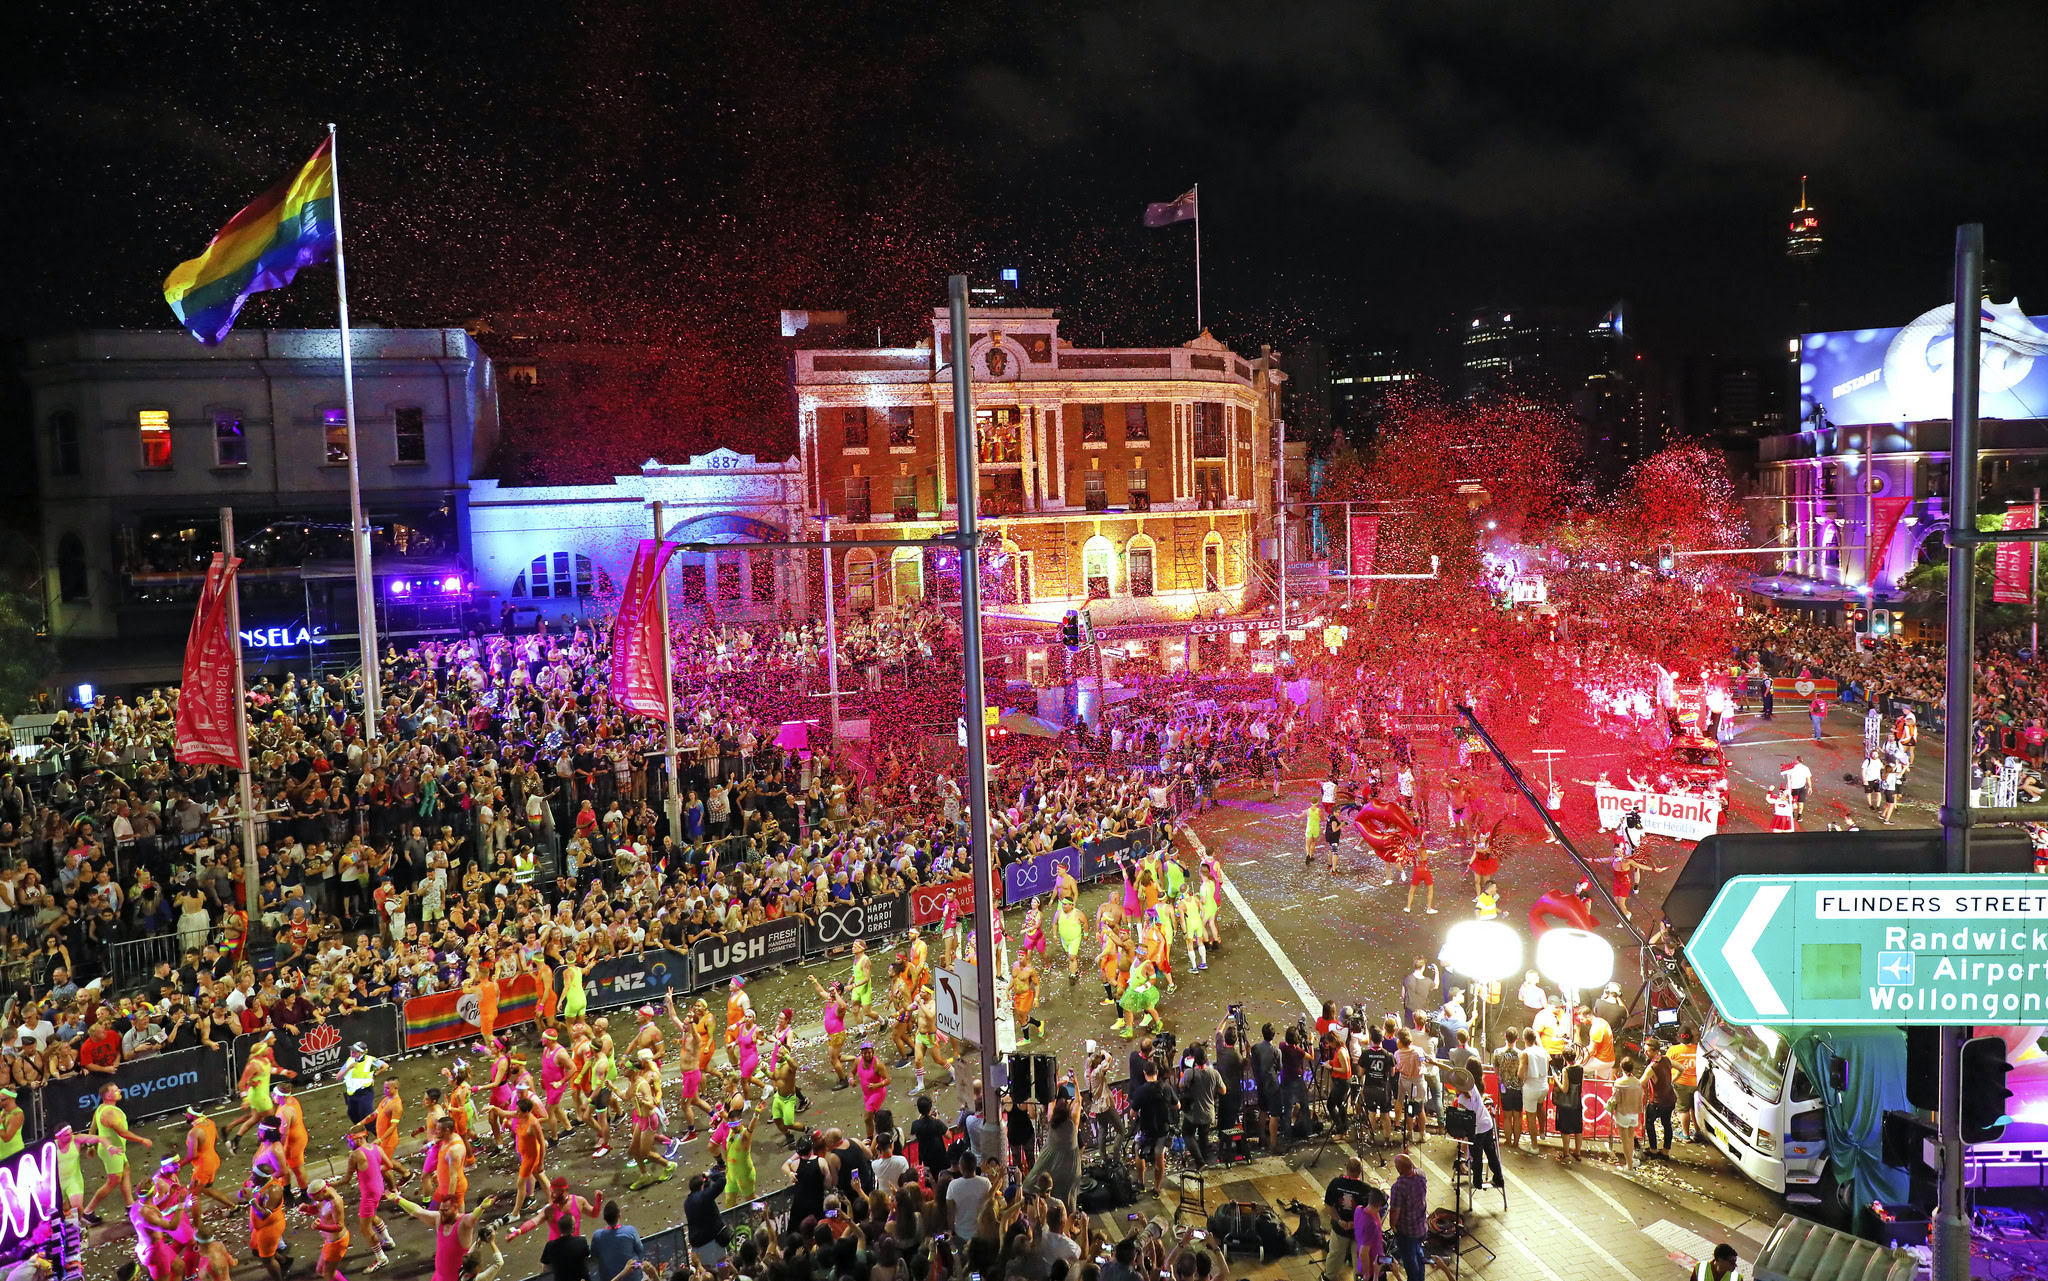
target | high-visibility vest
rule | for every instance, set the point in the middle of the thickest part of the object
(523, 867)
(1704, 1271)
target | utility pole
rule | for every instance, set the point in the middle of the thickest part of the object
(831, 622)
(673, 806)
(966, 492)
(250, 878)
(1951, 1233)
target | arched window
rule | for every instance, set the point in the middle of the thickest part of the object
(561, 574)
(1097, 558)
(519, 584)
(1212, 562)
(1138, 565)
(860, 579)
(71, 577)
(906, 572)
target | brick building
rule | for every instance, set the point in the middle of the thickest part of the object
(1136, 480)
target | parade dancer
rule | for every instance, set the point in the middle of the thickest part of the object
(835, 1028)
(215, 1262)
(266, 1218)
(156, 1247)
(257, 1074)
(739, 1008)
(554, 1082)
(1070, 925)
(783, 1046)
(690, 1082)
(647, 1122)
(451, 1169)
(1023, 999)
(366, 1161)
(291, 1119)
(389, 1112)
(602, 1071)
(1190, 905)
(860, 988)
(561, 1204)
(71, 1174)
(529, 1140)
(330, 1219)
(927, 1038)
(171, 1197)
(739, 1155)
(110, 1123)
(707, 1039)
(1139, 1001)
(874, 1084)
(1419, 877)
(782, 1102)
(202, 1155)
(1484, 863)
(500, 1094)
(647, 1036)
(454, 1233)
(744, 1038)
(1034, 931)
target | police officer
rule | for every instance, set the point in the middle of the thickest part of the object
(358, 1077)
(1722, 1267)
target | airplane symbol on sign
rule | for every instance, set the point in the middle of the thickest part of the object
(1895, 969)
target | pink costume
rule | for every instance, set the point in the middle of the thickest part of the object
(781, 1044)
(370, 1181)
(448, 1251)
(873, 1093)
(835, 1017)
(554, 1216)
(1034, 932)
(155, 1249)
(750, 1053)
(554, 1078)
(501, 1072)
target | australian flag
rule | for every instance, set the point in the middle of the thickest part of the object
(1165, 214)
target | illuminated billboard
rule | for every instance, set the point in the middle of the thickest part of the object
(1858, 376)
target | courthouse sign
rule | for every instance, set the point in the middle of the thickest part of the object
(1900, 950)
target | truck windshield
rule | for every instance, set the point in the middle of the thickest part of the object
(1757, 1054)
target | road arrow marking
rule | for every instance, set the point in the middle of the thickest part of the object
(1740, 950)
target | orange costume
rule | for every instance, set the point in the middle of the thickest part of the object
(295, 1136)
(389, 1109)
(532, 1143)
(200, 1154)
(451, 1178)
(458, 1108)
(735, 1014)
(544, 991)
(333, 1234)
(266, 1227)
(707, 1040)
(487, 1004)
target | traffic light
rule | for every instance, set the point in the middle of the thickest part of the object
(1880, 622)
(1859, 621)
(1070, 630)
(1667, 560)
(1984, 1090)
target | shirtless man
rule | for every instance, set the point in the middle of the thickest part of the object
(928, 1039)
(647, 1123)
(690, 1082)
(215, 1263)
(646, 1037)
(782, 1103)
(330, 1217)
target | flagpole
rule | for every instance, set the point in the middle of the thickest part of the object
(250, 880)
(366, 584)
(674, 803)
(1197, 189)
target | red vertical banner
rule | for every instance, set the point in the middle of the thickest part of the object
(638, 682)
(2012, 566)
(1365, 537)
(206, 700)
(1884, 521)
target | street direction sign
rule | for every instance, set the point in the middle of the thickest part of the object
(1899, 950)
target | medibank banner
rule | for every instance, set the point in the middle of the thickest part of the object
(1682, 816)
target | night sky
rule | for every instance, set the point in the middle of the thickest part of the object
(677, 172)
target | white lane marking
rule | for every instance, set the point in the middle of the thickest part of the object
(1293, 976)
(1521, 1185)
(1602, 1193)
(1290, 907)
(1327, 897)
(1437, 1173)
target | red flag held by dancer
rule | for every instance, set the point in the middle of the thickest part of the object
(638, 683)
(206, 703)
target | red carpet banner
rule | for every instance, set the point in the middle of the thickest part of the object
(206, 703)
(638, 682)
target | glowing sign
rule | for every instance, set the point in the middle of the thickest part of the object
(28, 1193)
(283, 637)
(1906, 375)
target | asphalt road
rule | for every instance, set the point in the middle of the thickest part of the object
(1294, 935)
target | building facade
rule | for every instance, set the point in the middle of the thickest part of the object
(143, 435)
(561, 551)
(1136, 481)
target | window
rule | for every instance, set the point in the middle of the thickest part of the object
(1209, 487)
(1001, 493)
(230, 448)
(559, 575)
(762, 571)
(1212, 564)
(857, 507)
(155, 428)
(729, 576)
(1093, 432)
(853, 428)
(519, 584)
(860, 579)
(409, 430)
(1937, 479)
(902, 427)
(1209, 433)
(693, 580)
(71, 581)
(1096, 557)
(1136, 427)
(906, 498)
(1095, 490)
(906, 571)
(1138, 567)
(997, 431)
(334, 426)
(522, 375)
(1141, 490)
(64, 443)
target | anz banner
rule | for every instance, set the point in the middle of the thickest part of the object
(634, 978)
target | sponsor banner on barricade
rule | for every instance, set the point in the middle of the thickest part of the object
(451, 1016)
(321, 1047)
(635, 977)
(715, 960)
(1039, 875)
(928, 902)
(1684, 816)
(151, 1086)
(845, 923)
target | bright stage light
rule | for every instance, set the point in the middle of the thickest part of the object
(1575, 959)
(1485, 950)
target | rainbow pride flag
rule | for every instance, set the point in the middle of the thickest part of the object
(290, 226)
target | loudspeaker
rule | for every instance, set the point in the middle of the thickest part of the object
(1045, 1071)
(1020, 1078)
